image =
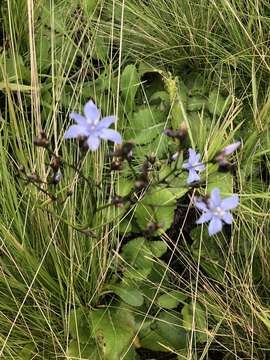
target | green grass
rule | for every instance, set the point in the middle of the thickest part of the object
(53, 57)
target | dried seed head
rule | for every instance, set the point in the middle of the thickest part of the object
(34, 177)
(116, 164)
(118, 201)
(141, 183)
(124, 152)
(56, 163)
(41, 140)
(152, 227)
(152, 158)
(21, 168)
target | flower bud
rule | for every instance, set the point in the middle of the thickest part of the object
(56, 178)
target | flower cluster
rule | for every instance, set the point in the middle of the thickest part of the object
(214, 209)
(91, 130)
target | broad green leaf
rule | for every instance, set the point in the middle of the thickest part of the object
(217, 104)
(124, 186)
(171, 300)
(79, 325)
(138, 257)
(129, 84)
(196, 103)
(101, 49)
(145, 126)
(158, 248)
(158, 146)
(87, 351)
(157, 207)
(112, 332)
(200, 322)
(170, 327)
(221, 180)
(151, 340)
(161, 96)
(128, 294)
(166, 331)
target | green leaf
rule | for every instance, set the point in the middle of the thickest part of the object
(79, 325)
(199, 319)
(124, 186)
(44, 53)
(196, 103)
(89, 7)
(170, 327)
(113, 332)
(217, 104)
(145, 126)
(162, 96)
(129, 295)
(221, 180)
(171, 300)
(157, 207)
(158, 248)
(27, 352)
(163, 333)
(196, 84)
(138, 257)
(84, 352)
(129, 84)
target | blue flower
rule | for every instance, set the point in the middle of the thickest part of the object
(216, 210)
(193, 166)
(92, 128)
(231, 148)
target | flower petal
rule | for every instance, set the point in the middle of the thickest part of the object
(81, 120)
(197, 158)
(230, 202)
(215, 226)
(192, 176)
(215, 199)
(91, 111)
(205, 217)
(93, 142)
(110, 134)
(186, 166)
(192, 156)
(227, 217)
(75, 131)
(200, 167)
(106, 122)
(231, 148)
(200, 204)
